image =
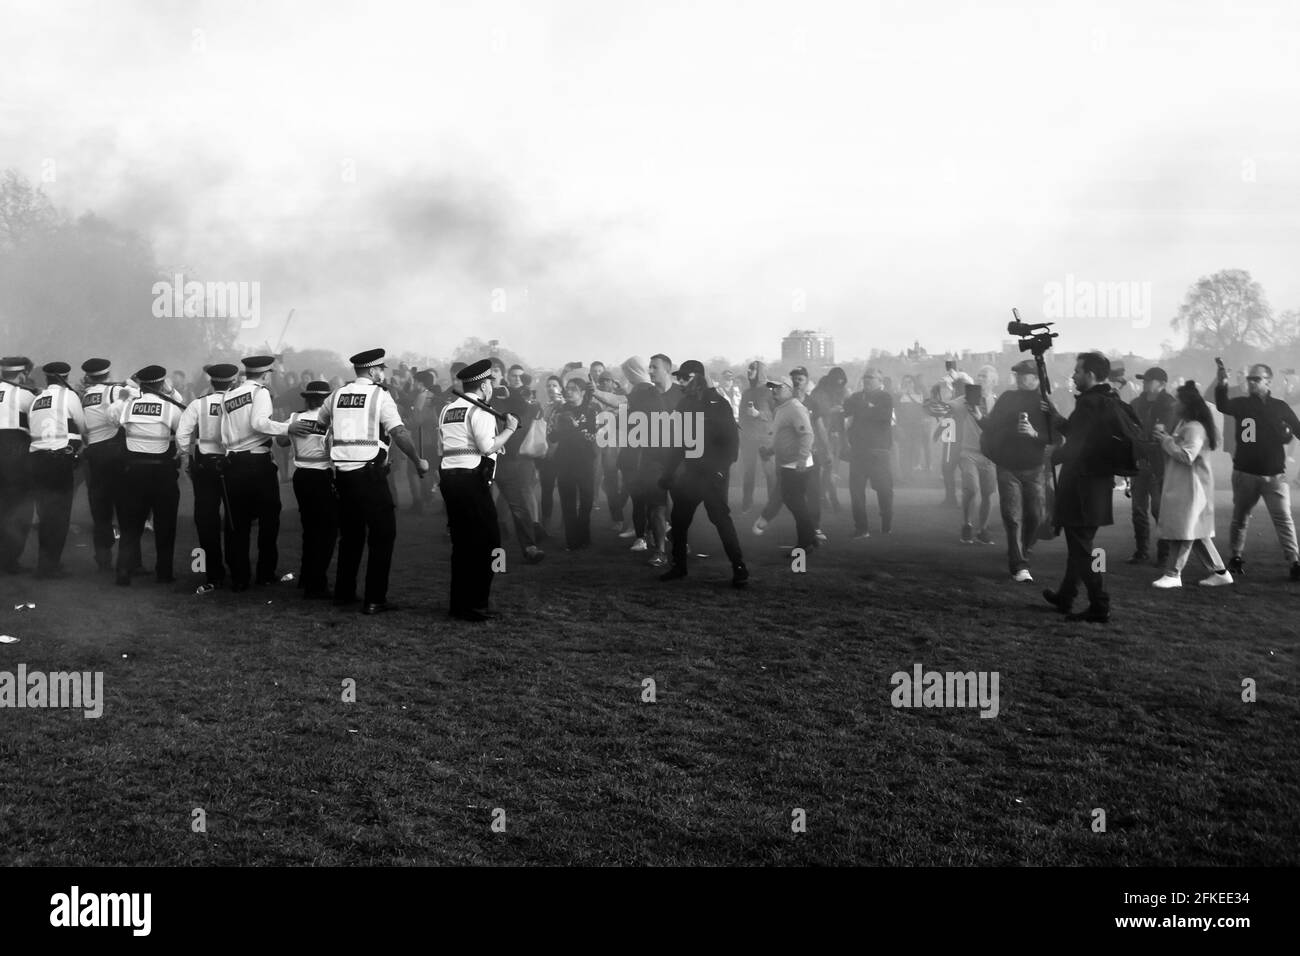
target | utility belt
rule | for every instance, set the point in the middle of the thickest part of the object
(206, 464)
(153, 459)
(67, 450)
(485, 469)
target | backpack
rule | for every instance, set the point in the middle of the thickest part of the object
(1119, 455)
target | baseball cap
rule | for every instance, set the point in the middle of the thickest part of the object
(688, 368)
(779, 381)
(1154, 374)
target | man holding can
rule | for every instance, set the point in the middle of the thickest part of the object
(1015, 434)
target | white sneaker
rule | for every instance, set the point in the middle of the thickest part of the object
(629, 533)
(760, 525)
(638, 545)
(1216, 580)
(1022, 576)
(1168, 581)
(820, 535)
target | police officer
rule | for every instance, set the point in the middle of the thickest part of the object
(102, 402)
(57, 426)
(16, 399)
(149, 475)
(313, 486)
(198, 436)
(252, 480)
(470, 444)
(363, 420)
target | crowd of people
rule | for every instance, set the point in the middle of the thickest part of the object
(239, 434)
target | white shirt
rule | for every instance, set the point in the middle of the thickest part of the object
(202, 418)
(468, 433)
(360, 417)
(15, 403)
(102, 406)
(50, 415)
(246, 423)
(311, 451)
(149, 422)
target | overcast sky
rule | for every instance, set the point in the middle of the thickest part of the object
(680, 177)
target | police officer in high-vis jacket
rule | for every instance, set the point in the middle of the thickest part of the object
(470, 443)
(16, 398)
(149, 475)
(101, 402)
(252, 480)
(363, 420)
(57, 426)
(198, 437)
(313, 487)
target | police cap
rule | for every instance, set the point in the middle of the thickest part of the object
(56, 368)
(473, 374)
(151, 375)
(96, 366)
(368, 359)
(222, 372)
(257, 364)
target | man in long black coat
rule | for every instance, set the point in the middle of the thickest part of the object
(1087, 482)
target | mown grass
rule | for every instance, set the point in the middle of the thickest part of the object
(767, 700)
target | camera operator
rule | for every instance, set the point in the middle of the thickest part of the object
(1087, 480)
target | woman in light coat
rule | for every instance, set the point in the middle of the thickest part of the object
(1187, 497)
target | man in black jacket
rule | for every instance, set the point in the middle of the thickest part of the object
(1015, 434)
(1153, 407)
(1264, 426)
(704, 475)
(1087, 481)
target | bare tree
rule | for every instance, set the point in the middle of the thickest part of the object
(1225, 310)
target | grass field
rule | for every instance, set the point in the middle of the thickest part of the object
(767, 700)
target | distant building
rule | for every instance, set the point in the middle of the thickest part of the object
(805, 347)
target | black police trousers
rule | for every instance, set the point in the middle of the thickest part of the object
(366, 514)
(205, 478)
(318, 513)
(253, 487)
(149, 484)
(15, 496)
(52, 488)
(472, 520)
(104, 460)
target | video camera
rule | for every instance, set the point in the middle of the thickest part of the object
(1034, 337)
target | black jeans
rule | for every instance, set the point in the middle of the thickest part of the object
(792, 490)
(318, 511)
(52, 487)
(1079, 568)
(367, 517)
(472, 520)
(873, 465)
(514, 480)
(1145, 488)
(690, 490)
(577, 490)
